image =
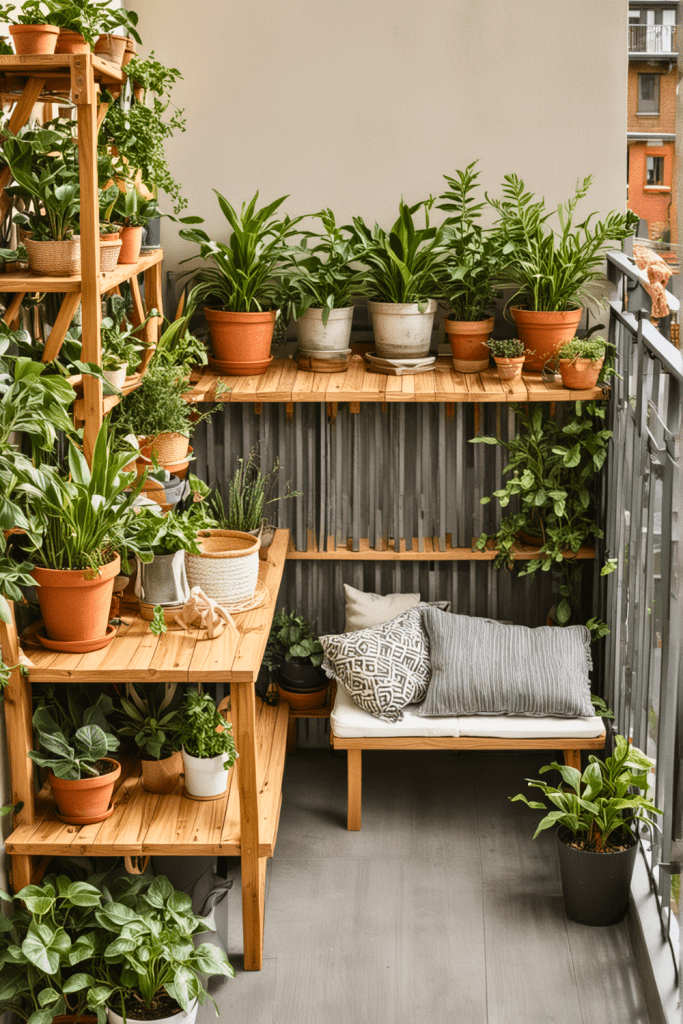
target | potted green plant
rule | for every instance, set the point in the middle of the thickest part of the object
(402, 279)
(321, 292)
(32, 29)
(581, 361)
(593, 813)
(82, 21)
(112, 45)
(469, 273)
(152, 716)
(14, 259)
(163, 581)
(551, 272)
(208, 747)
(81, 775)
(246, 283)
(294, 656)
(121, 342)
(508, 355)
(179, 348)
(133, 208)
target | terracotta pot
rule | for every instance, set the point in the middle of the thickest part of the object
(509, 369)
(306, 700)
(113, 236)
(84, 801)
(544, 332)
(468, 339)
(74, 606)
(131, 243)
(30, 40)
(111, 47)
(131, 51)
(71, 42)
(241, 339)
(580, 374)
(162, 776)
(532, 540)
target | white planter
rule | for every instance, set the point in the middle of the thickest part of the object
(401, 330)
(184, 1017)
(205, 777)
(163, 580)
(315, 336)
(116, 378)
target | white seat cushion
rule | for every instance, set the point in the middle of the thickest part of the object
(350, 721)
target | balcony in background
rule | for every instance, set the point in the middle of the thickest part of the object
(657, 41)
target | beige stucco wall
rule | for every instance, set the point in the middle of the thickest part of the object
(349, 104)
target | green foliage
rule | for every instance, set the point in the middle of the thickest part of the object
(552, 270)
(163, 533)
(198, 732)
(601, 708)
(157, 405)
(404, 264)
(31, 12)
(291, 639)
(248, 495)
(599, 802)
(91, 18)
(323, 278)
(178, 347)
(152, 716)
(121, 342)
(130, 207)
(473, 264)
(44, 167)
(73, 752)
(507, 348)
(583, 348)
(249, 274)
(18, 255)
(158, 624)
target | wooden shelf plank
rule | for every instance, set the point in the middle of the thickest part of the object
(431, 553)
(283, 381)
(25, 281)
(58, 64)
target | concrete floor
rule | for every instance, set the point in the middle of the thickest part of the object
(441, 909)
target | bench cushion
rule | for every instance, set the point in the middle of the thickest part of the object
(366, 610)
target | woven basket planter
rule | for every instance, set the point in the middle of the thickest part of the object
(54, 259)
(227, 567)
(168, 447)
(109, 255)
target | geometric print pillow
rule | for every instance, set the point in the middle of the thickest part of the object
(383, 668)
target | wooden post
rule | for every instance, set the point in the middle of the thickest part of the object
(572, 758)
(355, 789)
(20, 116)
(67, 310)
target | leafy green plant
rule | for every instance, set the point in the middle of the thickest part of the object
(91, 18)
(163, 533)
(583, 348)
(157, 405)
(404, 264)
(18, 255)
(291, 639)
(158, 623)
(249, 273)
(31, 12)
(199, 733)
(596, 804)
(72, 755)
(50, 189)
(178, 347)
(153, 718)
(323, 277)
(248, 495)
(506, 348)
(121, 341)
(552, 270)
(131, 208)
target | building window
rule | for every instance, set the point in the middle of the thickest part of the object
(648, 94)
(655, 170)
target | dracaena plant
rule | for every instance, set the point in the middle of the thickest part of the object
(198, 732)
(595, 805)
(403, 264)
(131, 207)
(323, 276)
(248, 274)
(152, 717)
(74, 753)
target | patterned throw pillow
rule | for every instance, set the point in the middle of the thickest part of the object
(384, 668)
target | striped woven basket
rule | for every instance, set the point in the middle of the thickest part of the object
(227, 567)
(54, 259)
(109, 255)
(169, 447)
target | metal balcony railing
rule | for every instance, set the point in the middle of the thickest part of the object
(652, 39)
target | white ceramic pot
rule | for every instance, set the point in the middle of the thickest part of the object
(184, 1017)
(116, 378)
(401, 330)
(315, 336)
(163, 580)
(205, 777)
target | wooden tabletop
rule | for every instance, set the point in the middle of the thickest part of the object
(25, 281)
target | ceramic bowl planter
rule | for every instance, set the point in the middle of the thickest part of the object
(595, 886)
(316, 338)
(467, 339)
(182, 1017)
(543, 333)
(163, 580)
(31, 40)
(54, 259)
(75, 603)
(241, 341)
(580, 374)
(111, 47)
(131, 244)
(401, 330)
(117, 377)
(85, 801)
(71, 42)
(162, 776)
(509, 370)
(205, 777)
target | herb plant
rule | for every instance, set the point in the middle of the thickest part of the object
(178, 347)
(152, 716)
(91, 18)
(292, 639)
(583, 348)
(506, 348)
(248, 495)
(157, 406)
(163, 533)
(199, 733)
(323, 277)
(31, 12)
(158, 624)
(600, 802)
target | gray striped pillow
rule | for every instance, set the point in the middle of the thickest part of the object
(480, 667)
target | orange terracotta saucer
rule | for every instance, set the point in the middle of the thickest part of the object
(87, 818)
(245, 369)
(75, 646)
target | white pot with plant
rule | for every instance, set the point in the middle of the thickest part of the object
(208, 747)
(152, 716)
(121, 342)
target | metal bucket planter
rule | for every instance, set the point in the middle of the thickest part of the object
(401, 330)
(595, 886)
(163, 580)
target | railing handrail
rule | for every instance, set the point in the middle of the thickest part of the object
(654, 35)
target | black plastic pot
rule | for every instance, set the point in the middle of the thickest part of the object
(595, 886)
(300, 677)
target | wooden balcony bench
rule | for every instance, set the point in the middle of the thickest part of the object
(355, 730)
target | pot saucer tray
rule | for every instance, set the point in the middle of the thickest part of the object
(398, 367)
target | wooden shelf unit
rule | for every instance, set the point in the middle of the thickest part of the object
(431, 551)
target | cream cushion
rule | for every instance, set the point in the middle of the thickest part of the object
(366, 610)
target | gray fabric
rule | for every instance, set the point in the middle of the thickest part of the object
(480, 667)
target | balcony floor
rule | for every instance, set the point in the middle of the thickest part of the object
(441, 909)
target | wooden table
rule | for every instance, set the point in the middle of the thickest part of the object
(242, 823)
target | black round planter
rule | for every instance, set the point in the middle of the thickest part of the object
(595, 886)
(300, 678)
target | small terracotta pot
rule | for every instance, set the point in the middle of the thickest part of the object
(31, 40)
(162, 776)
(131, 243)
(544, 332)
(84, 801)
(75, 607)
(509, 369)
(468, 339)
(306, 700)
(111, 47)
(241, 339)
(71, 42)
(131, 51)
(580, 374)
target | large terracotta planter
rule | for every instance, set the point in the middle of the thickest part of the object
(75, 603)
(544, 332)
(401, 330)
(509, 369)
(71, 42)
(467, 339)
(111, 47)
(241, 341)
(31, 40)
(162, 776)
(580, 374)
(131, 243)
(85, 801)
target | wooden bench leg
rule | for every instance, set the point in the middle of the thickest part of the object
(572, 758)
(355, 789)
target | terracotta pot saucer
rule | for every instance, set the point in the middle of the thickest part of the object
(88, 819)
(240, 369)
(77, 646)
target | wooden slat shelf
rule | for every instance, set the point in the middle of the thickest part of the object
(24, 281)
(152, 824)
(431, 552)
(58, 65)
(284, 382)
